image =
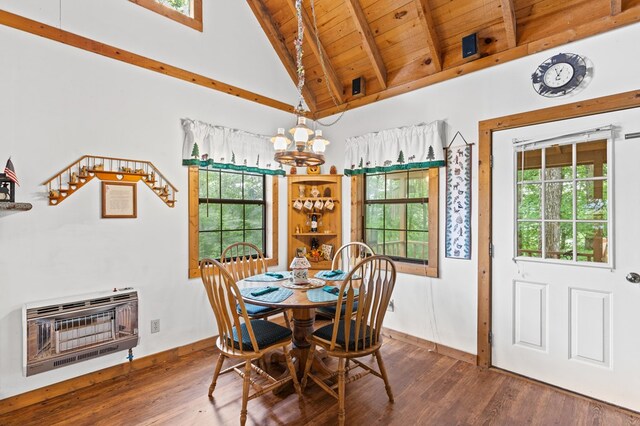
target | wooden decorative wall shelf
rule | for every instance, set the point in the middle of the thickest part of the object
(8, 208)
(78, 174)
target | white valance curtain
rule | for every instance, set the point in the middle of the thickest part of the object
(225, 148)
(411, 147)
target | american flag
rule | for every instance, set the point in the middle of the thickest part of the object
(10, 172)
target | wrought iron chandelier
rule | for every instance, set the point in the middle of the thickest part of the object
(301, 151)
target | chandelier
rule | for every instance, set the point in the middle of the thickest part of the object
(301, 151)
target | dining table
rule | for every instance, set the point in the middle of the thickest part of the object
(303, 314)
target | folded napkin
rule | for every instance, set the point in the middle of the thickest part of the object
(330, 274)
(274, 275)
(332, 290)
(263, 291)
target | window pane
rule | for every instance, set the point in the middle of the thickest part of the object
(559, 162)
(210, 245)
(209, 215)
(417, 216)
(209, 180)
(374, 214)
(530, 239)
(558, 237)
(375, 239)
(394, 216)
(230, 237)
(591, 158)
(529, 201)
(529, 164)
(253, 216)
(558, 200)
(397, 185)
(592, 242)
(182, 6)
(419, 184)
(253, 187)
(395, 243)
(417, 245)
(592, 199)
(375, 187)
(255, 237)
(231, 186)
(232, 216)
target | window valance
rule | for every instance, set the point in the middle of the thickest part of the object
(411, 147)
(225, 148)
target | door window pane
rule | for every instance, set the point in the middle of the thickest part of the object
(529, 201)
(591, 198)
(558, 162)
(558, 237)
(558, 200)
(591, 159)
(529, 165)
(592, 242)
(530, 239)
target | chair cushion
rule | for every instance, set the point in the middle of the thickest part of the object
(331, 310)
(267, 333)
(255, 309)
(326, 333)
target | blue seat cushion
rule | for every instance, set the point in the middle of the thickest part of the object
(331, 310)
(255, 309)
(267, 333)
(326, 333)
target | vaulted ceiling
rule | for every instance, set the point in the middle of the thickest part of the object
(402, 45)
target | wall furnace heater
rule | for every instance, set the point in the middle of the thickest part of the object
(65, 331)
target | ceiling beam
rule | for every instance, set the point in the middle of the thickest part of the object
(320, 53)
(368, 42)
(509, 17)
(433, 42)
(616, 7)
(278, 42)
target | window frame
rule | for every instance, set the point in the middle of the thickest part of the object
(574, 221)
(194, 21)
(271, 207)
(429, 268)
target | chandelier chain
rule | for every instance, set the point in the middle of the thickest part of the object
(299, 52)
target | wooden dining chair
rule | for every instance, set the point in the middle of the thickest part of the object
(369, 284)
(244, 260)
(345, 259)
(241, 337)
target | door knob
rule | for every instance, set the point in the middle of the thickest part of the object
(633, 277)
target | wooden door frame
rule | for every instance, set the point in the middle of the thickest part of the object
(486, 128)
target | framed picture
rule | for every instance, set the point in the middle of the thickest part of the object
(119, 200)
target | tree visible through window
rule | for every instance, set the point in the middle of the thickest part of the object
(182, 6)
(187, 12)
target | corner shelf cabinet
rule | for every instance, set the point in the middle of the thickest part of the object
(329, 187)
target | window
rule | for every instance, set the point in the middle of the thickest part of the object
(400, 218)
(187, 12)
(562, 203)
(227, 207)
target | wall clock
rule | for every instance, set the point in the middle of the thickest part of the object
(560, 75)
(313, 170)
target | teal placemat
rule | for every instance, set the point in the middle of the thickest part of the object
(273, 297)
(270, 277)
(320, 295)
(337, 275)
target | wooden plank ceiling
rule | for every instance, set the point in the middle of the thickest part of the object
(401, 45)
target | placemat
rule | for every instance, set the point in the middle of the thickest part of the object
(271, 277)
(337, 275)
(319, 295)
(274, 297)
(313, 283)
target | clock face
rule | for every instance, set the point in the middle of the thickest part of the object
(559, 75)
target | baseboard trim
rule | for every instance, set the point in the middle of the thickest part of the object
(429, 345)
(48, 392)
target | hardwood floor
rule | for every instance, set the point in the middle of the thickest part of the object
(429, 389)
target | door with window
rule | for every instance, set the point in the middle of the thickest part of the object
(566, 232)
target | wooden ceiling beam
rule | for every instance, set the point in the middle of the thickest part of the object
(278, 42)
(433, 42)
(320, 53)
(509, 16)
(616, 7)
(368, 41)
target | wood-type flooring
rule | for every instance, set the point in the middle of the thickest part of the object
(429, 389)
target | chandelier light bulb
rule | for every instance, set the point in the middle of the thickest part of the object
(280, 141)
(318, 143)
(301, 132)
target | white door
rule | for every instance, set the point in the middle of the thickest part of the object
(563, 311)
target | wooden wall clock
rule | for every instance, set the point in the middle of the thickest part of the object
(560, 75)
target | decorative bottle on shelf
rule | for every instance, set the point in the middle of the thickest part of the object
(314, 223)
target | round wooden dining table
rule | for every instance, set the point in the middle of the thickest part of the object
(303, 317)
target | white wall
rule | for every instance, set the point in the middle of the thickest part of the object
(445, 309)
(58, 103)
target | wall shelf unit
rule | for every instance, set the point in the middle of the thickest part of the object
(299, 188)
